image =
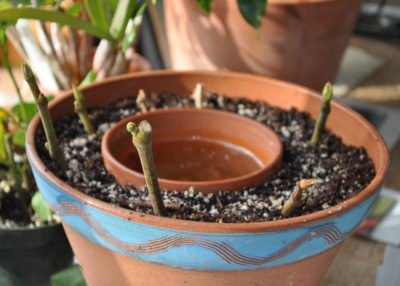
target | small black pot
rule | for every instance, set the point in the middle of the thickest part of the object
(28, 256)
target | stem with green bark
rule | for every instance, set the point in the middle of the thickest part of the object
(13, 167)
(41, 103)
(327, 94)
(296, 198)
(80, 109)
(141, 139)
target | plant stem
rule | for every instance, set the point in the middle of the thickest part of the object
(296, 198)
(6, 63)
(327, 94)
(28, 174)
(197, 95)
(141, 139)
(11, 117)
(140, 101)
(13, 167)
(80, 109)
(41, 103)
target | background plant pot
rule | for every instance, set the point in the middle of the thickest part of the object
(116, 246)
(28, 256)
(300, 41)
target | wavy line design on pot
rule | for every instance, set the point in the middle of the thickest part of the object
(329, 232)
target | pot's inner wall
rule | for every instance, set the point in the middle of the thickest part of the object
(194, 159)
(198, 145)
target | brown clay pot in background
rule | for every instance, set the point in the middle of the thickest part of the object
(300, 41)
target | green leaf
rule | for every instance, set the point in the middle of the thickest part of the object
(75, 9)
(19, 137)
(40, 207)
(109, 9)
(30, 109)
(139, 8)
(129, 39)
(252, 11)
(3, 155)
(121, 17)
(28, 2)
(205, 5)
(12, 14)
(4, 4)
(72, 276)
(95, 9)
(89, 78)
(3, 38)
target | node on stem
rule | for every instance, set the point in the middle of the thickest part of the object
(141, 139)
(327, 94)
(80, 109)
(296, 199)
(41, 103)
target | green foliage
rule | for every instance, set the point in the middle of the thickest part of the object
(108, 20)
(128, 39)
(252, 11)
(121, 17)
(140, 8)
(3, 154)
(19, 137)
(13, 14)
(16, 111)
(40, 207)
(30, 109)
(109, 9)
(89, 78)
(205, 5)
(75, 9)
(96, 12)
(72, 276)
(28, 2)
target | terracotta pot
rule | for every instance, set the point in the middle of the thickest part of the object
(300, 41)
(116, 246)
(254, 153)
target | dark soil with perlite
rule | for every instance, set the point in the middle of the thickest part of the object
(343, 170)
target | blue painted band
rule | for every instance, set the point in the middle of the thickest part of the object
(200, 251)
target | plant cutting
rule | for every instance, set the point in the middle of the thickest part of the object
(33, 243)
(286, 39)
(232, 237)
(65, 50)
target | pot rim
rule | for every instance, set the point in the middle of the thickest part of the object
(209, 227)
